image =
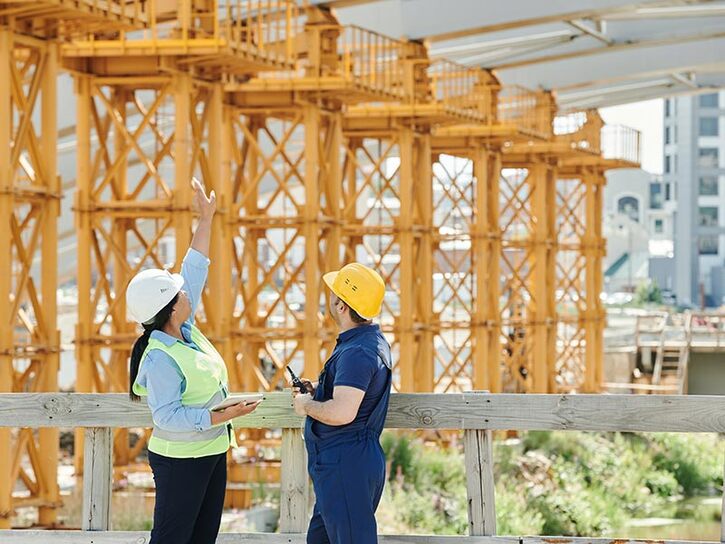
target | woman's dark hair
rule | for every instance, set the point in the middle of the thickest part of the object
(159, 322)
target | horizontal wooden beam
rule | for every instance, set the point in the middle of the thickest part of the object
(138, 537)
(653, 413)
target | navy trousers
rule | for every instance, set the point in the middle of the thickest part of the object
(348, 480)
(189, 498)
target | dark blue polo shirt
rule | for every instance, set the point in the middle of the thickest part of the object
(361, 359)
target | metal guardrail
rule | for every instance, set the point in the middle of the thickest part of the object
(265, 29)
(620, 142)
(463, 87)
(587, 131)
(519, 106)
(372, 59)
(476, 413)
(78, 16)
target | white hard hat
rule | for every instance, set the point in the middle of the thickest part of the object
(149, 291)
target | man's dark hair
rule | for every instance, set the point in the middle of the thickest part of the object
(354, 316)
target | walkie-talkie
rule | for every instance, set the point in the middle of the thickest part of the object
(296, 382)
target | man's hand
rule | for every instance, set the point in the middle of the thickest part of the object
(301, 402)
(310, 386)
(206, 206)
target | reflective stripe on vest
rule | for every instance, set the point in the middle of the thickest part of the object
(195, 436)
(206, 382)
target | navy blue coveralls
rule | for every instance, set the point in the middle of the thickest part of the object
(346, 462)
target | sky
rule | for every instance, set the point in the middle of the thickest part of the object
(647, 118)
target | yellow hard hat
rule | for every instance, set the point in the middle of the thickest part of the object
(359, 287)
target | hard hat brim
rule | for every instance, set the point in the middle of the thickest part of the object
(178, 282)
(329, 279)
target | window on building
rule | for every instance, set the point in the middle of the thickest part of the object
(668, 192)
(707, 216)
(707, 244)
(655, 195)
(667, 107)
(708, 126)
(668, 139)
(629, 206)
(668, 164)
(708, 100)
(708, 157)
(659, 226)
(708, 186)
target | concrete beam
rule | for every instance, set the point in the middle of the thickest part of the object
(610, 65)
(435, 20)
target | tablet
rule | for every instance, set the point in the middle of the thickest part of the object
(236, 399)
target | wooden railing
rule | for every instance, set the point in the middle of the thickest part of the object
(477, 414)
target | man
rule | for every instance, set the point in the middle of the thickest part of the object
(346, 413)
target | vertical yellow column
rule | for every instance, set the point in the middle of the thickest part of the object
(84, 222)
(48, 438)
(118, 363)
(423, 378)
(404, 327)
(251, 347)
(543, 284)
(6, 268)
(481, 258)
(486, 256)
(598, 281)
(183, 214)
(593, 252)
(333, 189)
(589, 247)
(311, 232)
(349, 191)
(493, 325)
(219, 312)
(552, 321)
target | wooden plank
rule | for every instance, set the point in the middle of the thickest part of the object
(652, 413)
(294, 492)
(97, 478)
(128, 537)
(639, 386)
(480, 484)
(116, 410)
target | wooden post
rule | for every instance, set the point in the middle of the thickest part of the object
(722, 517)
(293, 515)
(97, 477)
(480, 483)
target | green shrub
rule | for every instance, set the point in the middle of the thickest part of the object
(556, 483)
(695, 460)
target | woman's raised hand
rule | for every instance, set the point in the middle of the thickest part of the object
(205, 205)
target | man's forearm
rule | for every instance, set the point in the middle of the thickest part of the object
(202, 235)
(327, 412)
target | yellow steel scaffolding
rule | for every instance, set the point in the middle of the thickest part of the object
(325, 144)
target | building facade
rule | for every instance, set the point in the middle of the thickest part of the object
(694, 174)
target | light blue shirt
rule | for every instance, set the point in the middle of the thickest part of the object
(160, 374)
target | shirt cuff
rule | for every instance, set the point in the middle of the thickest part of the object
(203, 422)
(196, 259)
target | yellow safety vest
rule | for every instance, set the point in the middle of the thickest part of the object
(206, 386)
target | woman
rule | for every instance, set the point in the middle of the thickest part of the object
(183, 377)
